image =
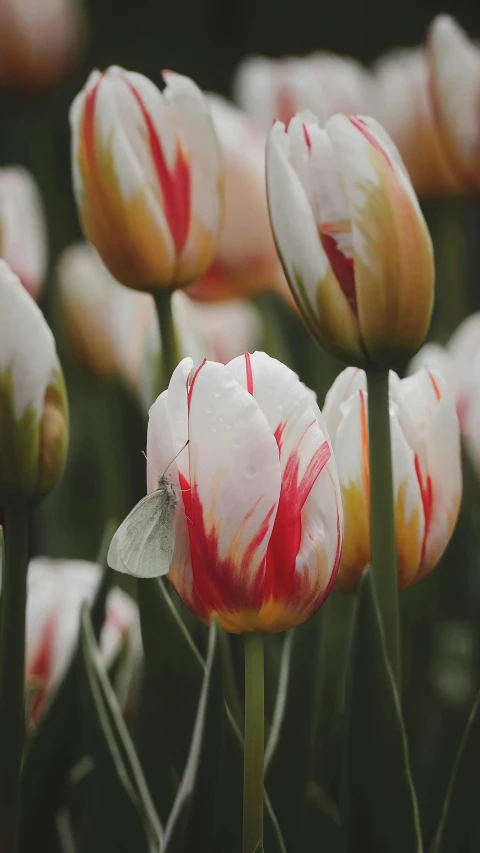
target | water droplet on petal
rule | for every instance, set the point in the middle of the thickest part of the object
(236, 445)
(280, 407)
(217, 394)
(250, 471)
(209, 410)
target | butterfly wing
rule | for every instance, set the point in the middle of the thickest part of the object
(143, 544)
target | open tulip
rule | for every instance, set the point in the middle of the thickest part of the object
(351, 236)
(39, 41)
(23, 234)
(259, 519)
(426, 470)
(56, 591)
(405, 109)
(246, 262)
(147, 177)
(33, 412)
(454, 63)
(270, 89)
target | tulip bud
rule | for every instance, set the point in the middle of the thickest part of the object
(105, 323)
(33, 411)
(23, 233)
(258, 525)
(56, 591)
(147, 177)
(277, 89)
(352, 239)
(454, 63)
(39, 41)
(405, 109)
(426, 470)
(246, 262)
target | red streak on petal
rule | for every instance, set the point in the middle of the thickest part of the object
(287, 531)
(175, 184)
(362, 126)
(343, 267)
(307, 138)
(426, 492)
(438, 393)
(248, 368)
(286, 106)
(39, 672)
(365, 446)
(88, 126)
(192, 383)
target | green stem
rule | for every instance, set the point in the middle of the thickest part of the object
(254, 743)
(169, 360)
(382, 515)
(12, 674)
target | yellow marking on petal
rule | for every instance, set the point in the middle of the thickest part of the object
(356, 554)
(409, 540)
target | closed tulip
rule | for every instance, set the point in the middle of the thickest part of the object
(454, 63)
(270, 89)
(259, 519)
(33, 412)
(246, 262)
(39, 41)
(147, 177)
(23, 233)
(426, 470)
(352, 239)
(57, 589)
(404, 107)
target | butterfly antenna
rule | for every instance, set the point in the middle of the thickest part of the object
(176, 456)
(150, 464)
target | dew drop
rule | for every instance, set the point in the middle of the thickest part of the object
(280, 407)
(217, 394)
(236, 445)
(250, 471)
(213, 428)
(209, 410)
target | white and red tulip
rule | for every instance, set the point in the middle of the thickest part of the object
(426, 469)
(246, 262)
(23, 233)
(277, 89)
(147, 177)
(34, 409)
(404, 107)
(39, 41)
(259, 520)
(56, 591)
(351, 236)
(454, 63)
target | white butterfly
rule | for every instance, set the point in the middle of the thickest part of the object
(144, 543)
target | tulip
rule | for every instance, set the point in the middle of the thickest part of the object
(404, 108)
(57, 589)
(106, 323)
(259, 521)
(270, 89)
(33, 419)
(352, 239)
(457, 363)
(426, 470)
(147, 177)
(39, 41)
(454, 63)
(246, 262)
(23, 234)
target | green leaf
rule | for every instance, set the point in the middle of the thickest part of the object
(193, 813)
(56, 744)
(379, 808)
(289, 747)
(171, 691)
(459, 809)
(132, 817)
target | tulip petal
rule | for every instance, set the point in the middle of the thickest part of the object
(190, 113)
(178, 412)
(235, 489)
(349, 381)
(393, 252)
(160, 460)
(410, 516)
(322, 302)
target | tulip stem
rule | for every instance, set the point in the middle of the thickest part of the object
(163, 303)
(382, 515)
(254, 743)
(12, 674)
